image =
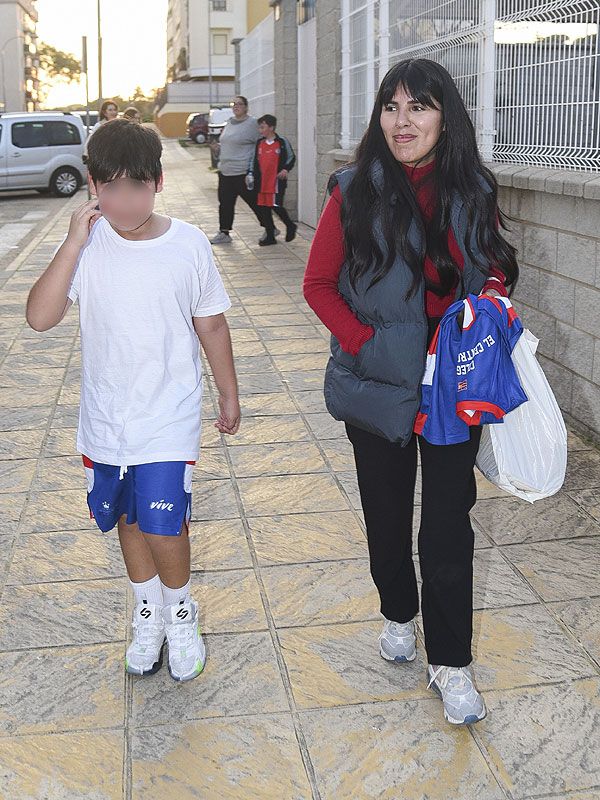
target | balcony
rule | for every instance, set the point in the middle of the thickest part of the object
(194, 92)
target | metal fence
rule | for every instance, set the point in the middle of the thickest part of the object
(528, 70)
(257, 81)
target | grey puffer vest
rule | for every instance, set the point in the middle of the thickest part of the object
(379, 390)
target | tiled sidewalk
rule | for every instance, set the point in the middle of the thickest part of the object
(295, 701)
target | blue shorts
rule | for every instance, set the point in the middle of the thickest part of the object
(156, 496)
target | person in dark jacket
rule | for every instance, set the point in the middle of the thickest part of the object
(267, 174)
(411, 226)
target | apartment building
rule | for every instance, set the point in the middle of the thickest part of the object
(19, 83)
(201, 56)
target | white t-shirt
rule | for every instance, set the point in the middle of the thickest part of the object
(141, 382)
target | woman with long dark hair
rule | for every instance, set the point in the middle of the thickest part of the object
(109, 110)
(411, 226)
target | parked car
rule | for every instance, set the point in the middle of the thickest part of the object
(217, 119)
(94, 117)
(197, 127)
(42, 150)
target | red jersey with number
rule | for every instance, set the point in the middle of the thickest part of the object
(268, 160)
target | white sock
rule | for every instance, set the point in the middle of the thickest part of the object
(148, 592)
(173, 597)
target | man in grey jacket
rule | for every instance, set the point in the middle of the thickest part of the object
(237, 143)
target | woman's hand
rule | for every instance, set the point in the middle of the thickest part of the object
(282, 175)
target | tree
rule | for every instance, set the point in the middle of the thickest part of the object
(57, 64)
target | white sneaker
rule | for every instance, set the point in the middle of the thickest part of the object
(144, 654)
(463, 705)
(397, 641)
(187, 653)
(221, 238)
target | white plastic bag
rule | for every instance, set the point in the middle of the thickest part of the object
(526, 455)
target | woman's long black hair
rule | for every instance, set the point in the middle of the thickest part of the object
(458, 170)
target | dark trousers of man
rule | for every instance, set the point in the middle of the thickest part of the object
(230, 188)
(266, 213)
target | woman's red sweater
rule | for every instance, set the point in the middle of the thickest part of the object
(327, 257)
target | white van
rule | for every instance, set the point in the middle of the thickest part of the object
(83, 116)
(42, 150)
(217, 119)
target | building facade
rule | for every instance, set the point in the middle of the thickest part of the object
(201, 53)
(19, 84)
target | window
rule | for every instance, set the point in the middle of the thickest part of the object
(219, 46)
(44, 134)
(28, 134)
(305, 10)
(219, 5)
(360, 66)
(61, 133)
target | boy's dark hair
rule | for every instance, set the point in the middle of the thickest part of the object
(118, 149)
(269, 120)
(242, 98)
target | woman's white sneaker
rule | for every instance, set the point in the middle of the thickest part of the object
(187, 653)
(144, 654)
(463, 705)
(397, 641)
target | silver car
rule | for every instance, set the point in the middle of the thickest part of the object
(42, 150)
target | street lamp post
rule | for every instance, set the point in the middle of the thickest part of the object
(99, 57)
(210, 81)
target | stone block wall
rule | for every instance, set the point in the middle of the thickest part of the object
(556, 230)
(329, 90)
(285, 68)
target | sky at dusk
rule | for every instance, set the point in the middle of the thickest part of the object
(134, 44)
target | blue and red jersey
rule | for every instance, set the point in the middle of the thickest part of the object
(470, 378)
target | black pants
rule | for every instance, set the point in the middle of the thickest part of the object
(230, 188)
(266, 213)
(386, 479)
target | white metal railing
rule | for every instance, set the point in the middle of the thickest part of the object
(257, 81)
(528, 70)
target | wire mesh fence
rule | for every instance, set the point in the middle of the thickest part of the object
(527, 70)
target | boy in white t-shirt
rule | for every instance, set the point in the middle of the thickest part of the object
(148, 293)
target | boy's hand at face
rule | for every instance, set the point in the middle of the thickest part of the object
(229, 416)
(81, 223)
